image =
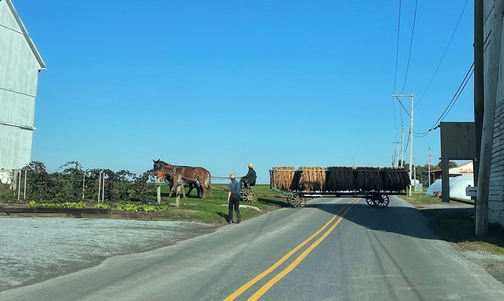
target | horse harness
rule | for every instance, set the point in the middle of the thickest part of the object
(174, 172)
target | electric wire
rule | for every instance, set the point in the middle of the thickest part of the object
(397, 45)
(450, 104)
(397, 62)
(411, 46)
(444, 53)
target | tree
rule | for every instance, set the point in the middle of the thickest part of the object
(451, 164)
(422, 173)
(403, 163)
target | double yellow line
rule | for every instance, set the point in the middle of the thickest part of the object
(295, 263)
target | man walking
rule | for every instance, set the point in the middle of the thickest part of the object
(233, 199)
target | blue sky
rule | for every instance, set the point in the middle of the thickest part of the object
(220, 84)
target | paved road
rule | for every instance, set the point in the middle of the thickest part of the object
(332, 249)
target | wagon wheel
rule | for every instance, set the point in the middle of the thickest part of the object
(370, 201)
(382, 200)
(248, 195)
(296, 201)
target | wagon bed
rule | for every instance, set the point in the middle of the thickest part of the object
(373, 183)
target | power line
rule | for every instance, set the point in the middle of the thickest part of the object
(397, 44)
(407, 142)
(451, 103)
(402, 106)
(411, 46)
(396, 62)
(444, 53)
(457, 94)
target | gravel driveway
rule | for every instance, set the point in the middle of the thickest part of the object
(37, 248)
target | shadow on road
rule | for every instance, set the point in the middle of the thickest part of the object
(273, 202)
(450, 224)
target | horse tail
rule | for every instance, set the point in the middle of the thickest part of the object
(209, 183)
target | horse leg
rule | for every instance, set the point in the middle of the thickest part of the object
(208, 183)
(190, 188)
(203, 188)
(183, 192)
(198, 189)
(172, 190)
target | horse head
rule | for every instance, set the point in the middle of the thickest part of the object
(157, 165)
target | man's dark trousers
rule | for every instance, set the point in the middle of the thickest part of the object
(234, 203)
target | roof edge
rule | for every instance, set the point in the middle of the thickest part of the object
(27, 36)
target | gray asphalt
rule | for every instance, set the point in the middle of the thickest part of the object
(34, 249)
(372, 254)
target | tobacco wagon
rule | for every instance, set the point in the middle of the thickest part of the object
(375, 184)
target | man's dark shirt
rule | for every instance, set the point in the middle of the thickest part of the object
(251, 175)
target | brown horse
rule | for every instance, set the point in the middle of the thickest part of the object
(189, 174)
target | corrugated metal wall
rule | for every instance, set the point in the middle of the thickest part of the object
(496, 191)
(18, 87)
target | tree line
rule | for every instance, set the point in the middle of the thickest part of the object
(422, 171)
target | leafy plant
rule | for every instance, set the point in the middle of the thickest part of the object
(57, 205)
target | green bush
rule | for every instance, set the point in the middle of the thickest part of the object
(71, 183)
(145, 208)
(34, 204)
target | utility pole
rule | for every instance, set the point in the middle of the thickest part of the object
(479, 94)
(402, 147)
(490, 93)
(429, 163)
(410, 135)
(394, 160)
(414, 169)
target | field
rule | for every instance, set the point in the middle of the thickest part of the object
(214, 210)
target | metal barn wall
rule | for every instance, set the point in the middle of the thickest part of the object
(19, 67)
(496, 191)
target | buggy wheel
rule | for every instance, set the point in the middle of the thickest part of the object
(370, 201)
(382, 201)
(248, 195)
(296, 201)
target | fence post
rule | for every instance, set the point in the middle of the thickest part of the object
(159, 180)
(99, 185)
(25, 176)
(19, 186)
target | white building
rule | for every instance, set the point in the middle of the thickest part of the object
(494, 39)
(20, 64)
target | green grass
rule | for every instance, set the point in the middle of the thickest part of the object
(418, 197)
(214, 210)
(459, 228)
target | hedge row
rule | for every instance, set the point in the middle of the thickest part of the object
(72, 183)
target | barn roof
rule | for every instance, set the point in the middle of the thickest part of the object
(26, 35)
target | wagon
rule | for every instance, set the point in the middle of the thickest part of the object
(375, 184)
